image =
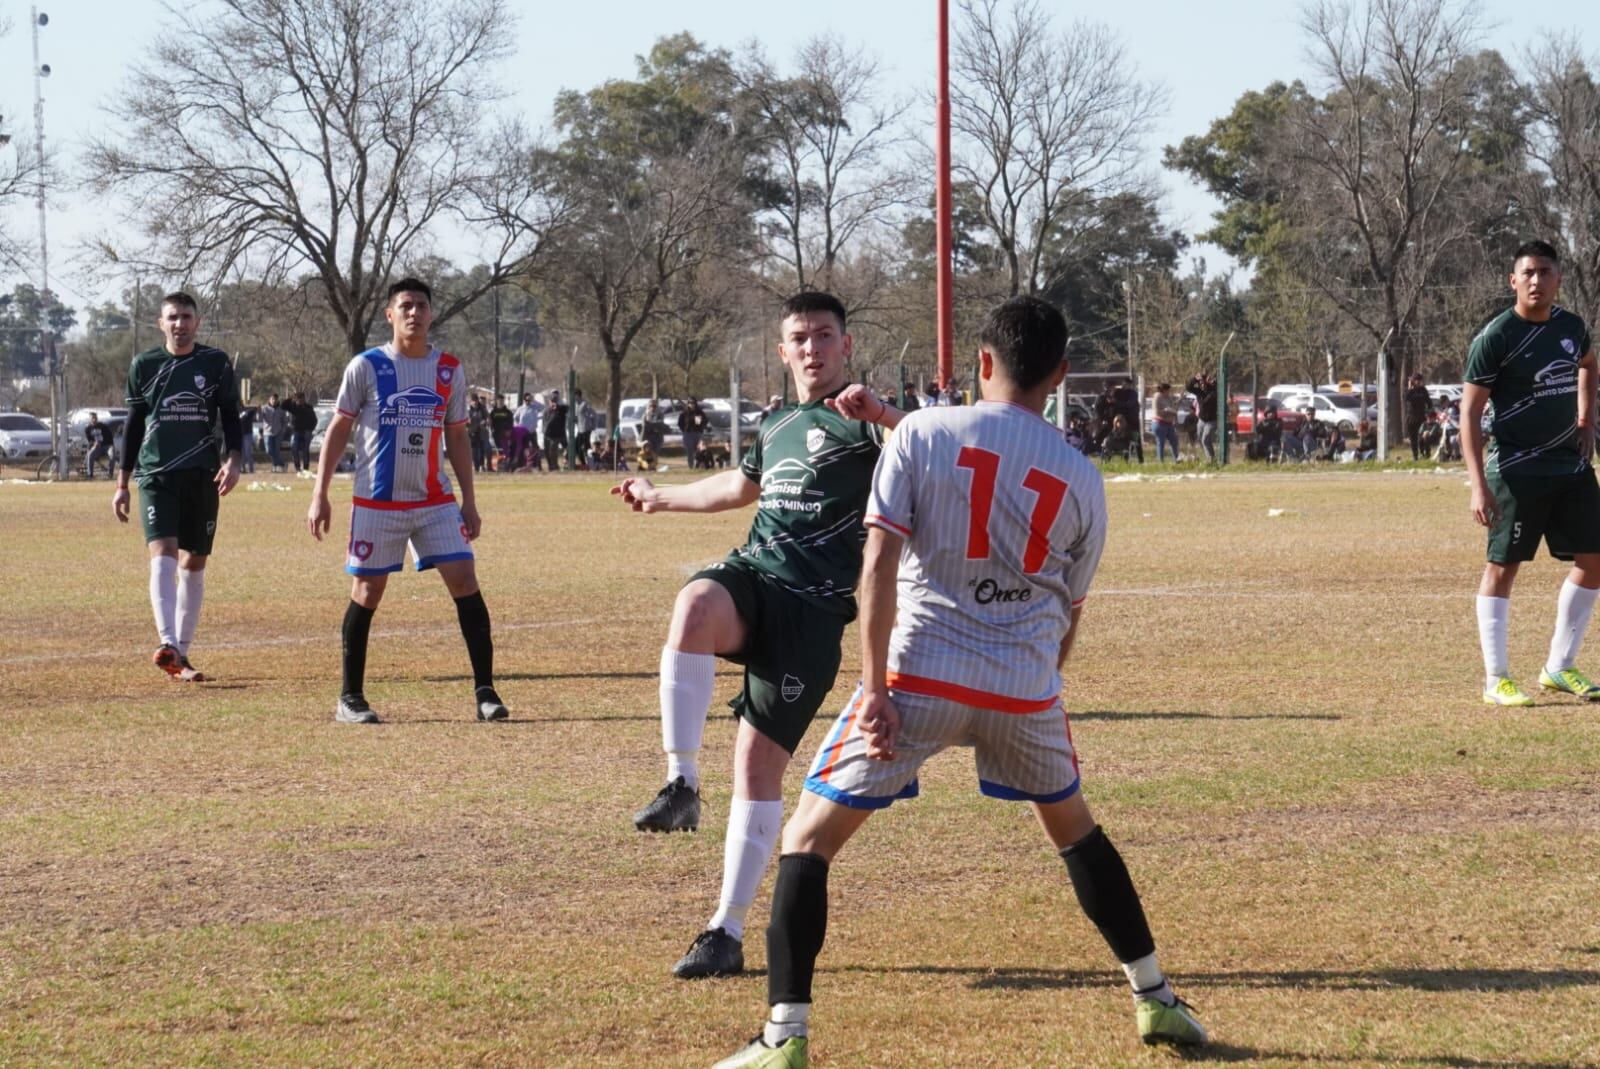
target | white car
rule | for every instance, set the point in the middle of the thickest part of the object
(1441, 394)
(1283, 391)
(325, 413)
(1341, 409)
(23, 437)
(630, 414)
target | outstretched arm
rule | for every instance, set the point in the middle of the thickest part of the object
(715, 493)
(859, 402)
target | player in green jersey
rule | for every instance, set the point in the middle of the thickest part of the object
(1535, 363)
(177, 394)
(777, 605)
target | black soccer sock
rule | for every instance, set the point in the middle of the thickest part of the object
(1106, 893)
(474, 617)
(799, 924)
(357, 625)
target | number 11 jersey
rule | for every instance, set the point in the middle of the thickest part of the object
(1004, 523)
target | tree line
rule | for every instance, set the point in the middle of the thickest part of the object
(288, 158)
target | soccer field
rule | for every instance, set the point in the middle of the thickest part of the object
(1346, 858)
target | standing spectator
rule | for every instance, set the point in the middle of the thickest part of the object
(553, 430)
(274, 421)
(585, 420)
(1164, 421)
(1417, 405)
(500, 424)
(1204, 388)
(652, 428)
(1311, 432)
(247, 445)
(908, 399)
(523, 431)
(99, 446)
(478, 431)
(302, 425)
(1126, 400)
(692, 422)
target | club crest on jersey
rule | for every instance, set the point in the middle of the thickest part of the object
(446, 374)
(199, 382)
(1570, 346)
(790, 688)
(816, 438)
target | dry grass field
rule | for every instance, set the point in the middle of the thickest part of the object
(1347, 859)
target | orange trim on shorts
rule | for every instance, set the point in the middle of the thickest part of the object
(838, 744)
(938, 688)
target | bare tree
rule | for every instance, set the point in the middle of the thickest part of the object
(835, 175)
(1564, 139)
(1041, 121)
(1378, 168)
(639, 238)
(334, 135)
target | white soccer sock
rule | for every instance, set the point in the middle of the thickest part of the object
(787, 1019)
(191, 592)
(752, 832)
(1494, 615)
(164, 597)
(686, 683)
(1574, 605)
(1147, 980)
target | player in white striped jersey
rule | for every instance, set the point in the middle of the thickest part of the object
(403, 402)
(988, 527)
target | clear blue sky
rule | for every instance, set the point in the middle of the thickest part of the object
(1206, 54)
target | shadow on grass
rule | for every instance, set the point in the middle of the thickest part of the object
(1441, 980)
(1105, 714)
(1227, 1052)
(536, 677)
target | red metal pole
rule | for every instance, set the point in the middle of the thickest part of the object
(941, 209)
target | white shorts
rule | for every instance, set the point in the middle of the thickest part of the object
(1023, 757)
(378, 538)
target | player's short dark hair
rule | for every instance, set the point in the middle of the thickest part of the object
(182, 300)
(1028, 336)
(410, 285)
(1542, 249)
(808, 301)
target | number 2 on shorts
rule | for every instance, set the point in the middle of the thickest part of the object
(1049, 493)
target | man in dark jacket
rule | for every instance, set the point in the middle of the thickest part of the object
(1417, 405)
(553, 429)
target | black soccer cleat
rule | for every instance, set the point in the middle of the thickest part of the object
(676, 807)
(353, 709)
(490, 707)
(713, 953)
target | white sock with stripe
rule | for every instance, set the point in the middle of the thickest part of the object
(191, 592)
(1147, 980)
(752, 833)
(687, 680)
(164, 597)
(1574, 606)
(786, 1020)
(1494, 618)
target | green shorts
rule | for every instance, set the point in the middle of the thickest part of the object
(791, 653)
(1564, 510)
(182, 505)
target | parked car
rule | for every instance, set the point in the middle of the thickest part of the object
(1442, 394)
(1244, 422)
(630, 414)
(23, 437)
(325, 413)
(1343, 410)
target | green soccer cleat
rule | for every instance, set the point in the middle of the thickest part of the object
(1506, 692)
(1175, 1024)
(1570, 681)
(790, 1054)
